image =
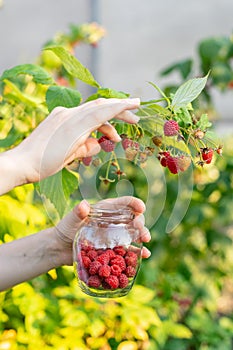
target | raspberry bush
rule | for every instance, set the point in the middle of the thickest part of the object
(169, 130)
(183, 295)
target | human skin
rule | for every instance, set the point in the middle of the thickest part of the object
(62, 137)
(36, 254)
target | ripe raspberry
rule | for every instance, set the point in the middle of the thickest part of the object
(100, 251)
(131, 259)
(172, 164)
(86, 262)
(171, 128)
(130, 271)
(118, 260)
(207, 155)
(94, 281)
(94, 267)
(86, 247)
(128, 143)
(115, 270)
(104, 271)
(87, 160)
(106, 144)
(183, 162)
(162, 157)
(123, 281)
(83, 253)
(112, 281)
(119, 250)
(110, 253)
(103, 258)
(92, 254)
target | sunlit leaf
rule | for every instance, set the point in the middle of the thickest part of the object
(188, 92)
(107, 93)
(62, 96)
(58, 188)
(73, 65)
(39, 75)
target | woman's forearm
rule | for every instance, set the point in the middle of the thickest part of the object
(12, 170)
(28, 257)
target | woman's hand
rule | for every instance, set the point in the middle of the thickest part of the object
(66, 229)
(65, 135)
(33, 255)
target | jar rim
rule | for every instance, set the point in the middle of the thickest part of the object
(106, 213)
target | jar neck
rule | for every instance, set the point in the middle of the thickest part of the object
(116, 216)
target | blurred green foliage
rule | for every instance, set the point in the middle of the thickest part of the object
(183, 296)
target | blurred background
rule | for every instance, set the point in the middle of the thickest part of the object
(183, 297)
(142, 38)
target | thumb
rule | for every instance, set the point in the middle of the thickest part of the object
(71, 223)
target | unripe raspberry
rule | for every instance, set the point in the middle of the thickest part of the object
(128, 143)
(199, 134)
(157, 140)
(183, 162)
(171, 128)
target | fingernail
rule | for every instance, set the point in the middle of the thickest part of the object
(135, 118)
(118, 138)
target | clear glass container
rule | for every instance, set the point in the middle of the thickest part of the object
(107, 253)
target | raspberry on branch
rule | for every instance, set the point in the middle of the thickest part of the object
(171, 128)
(106, 144)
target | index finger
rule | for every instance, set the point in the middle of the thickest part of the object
(98, 112)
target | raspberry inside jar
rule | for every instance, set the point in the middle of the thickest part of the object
(107, 253)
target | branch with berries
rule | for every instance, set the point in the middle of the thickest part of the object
(173, 132)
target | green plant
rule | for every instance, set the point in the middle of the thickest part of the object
(181, 300)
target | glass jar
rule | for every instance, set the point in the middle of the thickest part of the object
(107, 253)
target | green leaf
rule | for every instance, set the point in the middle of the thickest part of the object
(188, 92)
(179, 145)
(203, 123)
(39, 75)
(151, 125)
(11, 138)
(183, 67)
(62, 96)
(107, 93)
(184, 116)
(73, 66)
(20, 96)
(177, 330)
(58, 188)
